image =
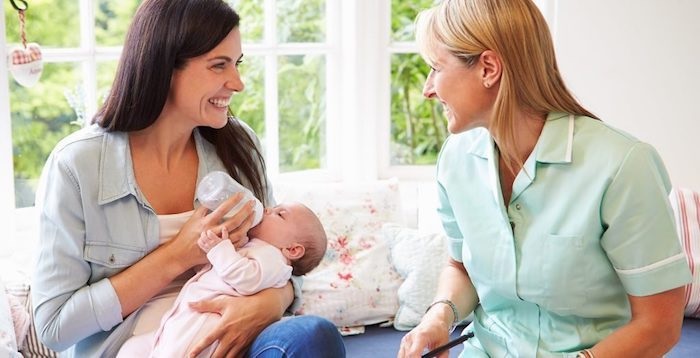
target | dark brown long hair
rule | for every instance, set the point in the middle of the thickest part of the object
(163, 35)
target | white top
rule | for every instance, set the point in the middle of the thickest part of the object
(152, 312)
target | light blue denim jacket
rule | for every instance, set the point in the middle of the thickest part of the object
(94, 223)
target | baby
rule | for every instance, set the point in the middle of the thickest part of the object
(289, 240)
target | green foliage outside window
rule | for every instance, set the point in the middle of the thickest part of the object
(403, 17)
(252, 24)
(302, 112)
(418, 126)
(51, 23)
(249, 106)
(301, 21)
(302, 108)
(297, 20)
(105, 76)
(112, 19)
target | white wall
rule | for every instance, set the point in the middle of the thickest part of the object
(636, 64)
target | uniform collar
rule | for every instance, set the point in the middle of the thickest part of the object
(555, 144)
(550, 147)
(480, 142)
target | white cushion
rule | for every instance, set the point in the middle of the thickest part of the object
(419, 258)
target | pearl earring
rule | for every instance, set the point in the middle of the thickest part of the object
(487, 85)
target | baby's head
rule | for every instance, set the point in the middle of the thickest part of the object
(297, 231)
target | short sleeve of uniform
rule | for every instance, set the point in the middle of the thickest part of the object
(640, 236)
(449, 223)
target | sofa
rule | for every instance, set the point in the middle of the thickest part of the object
(379, 273)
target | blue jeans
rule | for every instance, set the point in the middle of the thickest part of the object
(299, 337)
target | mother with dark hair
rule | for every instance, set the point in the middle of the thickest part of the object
(119, 220)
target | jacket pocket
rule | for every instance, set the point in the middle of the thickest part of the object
(112, 256)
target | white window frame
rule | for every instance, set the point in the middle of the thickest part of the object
(271, 50)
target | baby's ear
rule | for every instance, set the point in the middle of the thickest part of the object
(295, 251)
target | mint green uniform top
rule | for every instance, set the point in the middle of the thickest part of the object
(588, 223)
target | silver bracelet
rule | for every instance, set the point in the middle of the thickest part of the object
(586, 353)
(455, 315)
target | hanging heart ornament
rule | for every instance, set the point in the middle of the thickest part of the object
(26, 64)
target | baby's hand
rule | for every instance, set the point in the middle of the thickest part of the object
(208, 239)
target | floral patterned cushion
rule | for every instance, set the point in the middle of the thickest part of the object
(8, 339)
(355, 284)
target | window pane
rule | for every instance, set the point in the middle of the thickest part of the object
(105, 76)
(403, 17)
(112, 19)
(418, 126)
(249, 106)
(53, 23)
(41, 116)
(301, 20)
(252, 20)
(302, 96)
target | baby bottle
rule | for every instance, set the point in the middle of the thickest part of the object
(218, 186)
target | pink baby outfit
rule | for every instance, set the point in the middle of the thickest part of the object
(256, 266)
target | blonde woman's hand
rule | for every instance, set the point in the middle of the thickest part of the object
(428, 334)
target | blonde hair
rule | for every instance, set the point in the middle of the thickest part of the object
(517, 32)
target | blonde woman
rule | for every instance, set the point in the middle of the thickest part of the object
(562, 240)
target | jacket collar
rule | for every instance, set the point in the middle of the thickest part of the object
(116, 173)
